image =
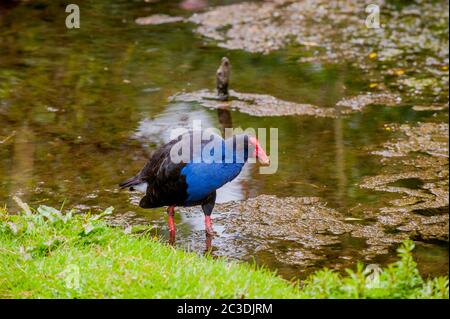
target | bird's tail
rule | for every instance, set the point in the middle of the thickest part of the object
(135, 180)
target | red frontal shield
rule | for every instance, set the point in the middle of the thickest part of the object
(259, 153)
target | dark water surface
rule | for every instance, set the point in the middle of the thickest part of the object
(80, 111)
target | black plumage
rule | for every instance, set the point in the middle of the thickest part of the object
(166, 186)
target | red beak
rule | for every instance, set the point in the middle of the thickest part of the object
(260, 154)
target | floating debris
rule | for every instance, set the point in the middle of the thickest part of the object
(272, 25)
(308, 229)
(431, 138)
(415, 166)
(253, 104)
(263, 27)
(359, 102)
(7, 138)
(433, 107)
(193, 5)
(267, 105)
(419, 84)
(158, 19)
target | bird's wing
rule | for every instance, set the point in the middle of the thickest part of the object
(132, 181)
(165, 183)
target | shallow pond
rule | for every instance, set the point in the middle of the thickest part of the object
(82, 109)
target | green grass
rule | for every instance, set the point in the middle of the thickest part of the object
(46, 254)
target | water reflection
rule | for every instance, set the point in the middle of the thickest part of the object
(157, 130)
(225, 120)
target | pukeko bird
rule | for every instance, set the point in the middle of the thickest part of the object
(193, 181)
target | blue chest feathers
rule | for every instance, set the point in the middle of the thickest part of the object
(204, 178)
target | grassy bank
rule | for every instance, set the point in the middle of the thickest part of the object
(46, 254)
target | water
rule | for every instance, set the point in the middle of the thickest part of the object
(81, 110)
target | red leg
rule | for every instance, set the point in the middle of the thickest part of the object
(171, 213)
(208, 225)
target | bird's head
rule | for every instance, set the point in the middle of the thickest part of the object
(245, 144)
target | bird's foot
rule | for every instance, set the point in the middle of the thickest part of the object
(171, 222)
